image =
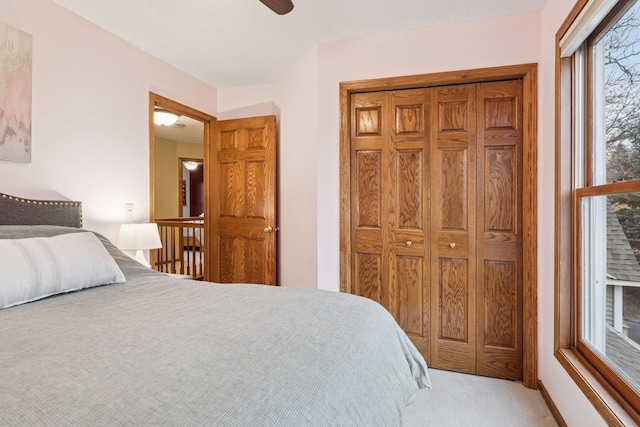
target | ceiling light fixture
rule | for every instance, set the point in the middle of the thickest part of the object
(164, 118)
(281, 7)
(191, 165)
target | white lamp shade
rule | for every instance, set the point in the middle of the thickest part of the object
(139, 236)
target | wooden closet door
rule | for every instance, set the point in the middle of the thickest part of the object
(436, 214)
(453, 234)
(499, 225)
(370, 196)
(409, 263)
(390, 206)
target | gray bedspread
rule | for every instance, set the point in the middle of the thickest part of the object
(168, 351)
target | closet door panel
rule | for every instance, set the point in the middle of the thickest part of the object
(368, 192)
(499, 186)
(410, 285)
(408, 215)
(453, 307)
(453, 289)
(500, 192)
(408, 191)
(369, 196)
(452, 190)
(368, 271)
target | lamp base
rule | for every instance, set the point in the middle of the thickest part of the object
(141, 258)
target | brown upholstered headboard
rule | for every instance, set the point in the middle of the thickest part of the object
(19, 211)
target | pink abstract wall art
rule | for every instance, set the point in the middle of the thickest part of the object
(15, 94)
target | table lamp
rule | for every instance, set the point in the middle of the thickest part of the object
(139, 237)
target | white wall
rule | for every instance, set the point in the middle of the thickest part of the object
(90, 138)
(245, 101)
(296, 97)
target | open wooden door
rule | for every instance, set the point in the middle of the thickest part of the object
(243, 215)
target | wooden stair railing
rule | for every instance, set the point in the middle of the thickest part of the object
(183, 247)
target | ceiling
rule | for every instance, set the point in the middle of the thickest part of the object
(186, 130)
(242, 42)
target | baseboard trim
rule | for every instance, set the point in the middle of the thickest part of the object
(552, 406)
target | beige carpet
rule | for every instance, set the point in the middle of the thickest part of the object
(468, 400)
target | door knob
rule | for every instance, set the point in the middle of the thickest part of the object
(268, 229)
(452, 245)
(409, 243)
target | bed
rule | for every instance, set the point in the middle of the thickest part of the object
(159, 350)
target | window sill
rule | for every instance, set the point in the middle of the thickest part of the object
(602, 397)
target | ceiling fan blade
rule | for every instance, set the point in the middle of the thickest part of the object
(281, 7)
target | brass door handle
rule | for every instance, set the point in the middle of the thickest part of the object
(268, 229)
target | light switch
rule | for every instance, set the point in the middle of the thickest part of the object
(128, 210)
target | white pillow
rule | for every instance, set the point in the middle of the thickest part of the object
(35, 268)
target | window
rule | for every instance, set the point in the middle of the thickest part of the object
(598, 194)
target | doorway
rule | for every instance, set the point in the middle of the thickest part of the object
(191, 187)
(237, 232)
(408, 112)
(172, 148)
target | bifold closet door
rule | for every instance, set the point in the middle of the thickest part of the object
(436, 219)
(476, 183)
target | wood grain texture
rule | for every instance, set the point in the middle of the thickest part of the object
(500, 301)
(530, 227)
(454, 300)
(409, 119)
(226, 255)
(409, 180)
(228, 140)
(410, 285)
(230, 200)
(453, 243)
(499, 223)
(368, 121)
(367, 179)
(368, 282)
(452, 188)
(255, 201)
(246, 182)
(368, 195)
(255, 261)
(500, 113)
(452, 116)
(501, 191)
(257, 138)
(408, 215)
